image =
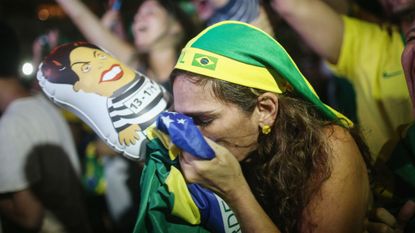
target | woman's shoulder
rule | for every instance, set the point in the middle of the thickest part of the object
(344, 196)
(336, 132)
(343, 149)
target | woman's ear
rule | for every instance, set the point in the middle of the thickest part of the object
(267, 107)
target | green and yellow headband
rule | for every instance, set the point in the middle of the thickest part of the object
(243, 54)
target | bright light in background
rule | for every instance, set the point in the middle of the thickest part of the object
(27, 68)
(49, 11)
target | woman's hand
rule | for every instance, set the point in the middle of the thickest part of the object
(222, 174)
(384, 222)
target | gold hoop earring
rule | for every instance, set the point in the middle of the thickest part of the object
(266, 129)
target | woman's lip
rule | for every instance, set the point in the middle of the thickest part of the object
(112, 74)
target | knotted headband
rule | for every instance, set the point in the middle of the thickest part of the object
(243, 54)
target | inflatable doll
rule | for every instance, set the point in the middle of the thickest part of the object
(123, 106)
(114, 100)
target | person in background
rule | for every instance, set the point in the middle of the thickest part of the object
(43, 43)
(365, 53)
(249, 11)
(395, 186)
(112, 20)
(122, 179)
(159, 29)
(40, 188)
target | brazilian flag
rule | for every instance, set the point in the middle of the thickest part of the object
(168, 203)
(204, 61)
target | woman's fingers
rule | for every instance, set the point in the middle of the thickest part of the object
(382, 221)
(381, 215)
(220, 151)
(192, 167)
(375, 227)
(406, 213)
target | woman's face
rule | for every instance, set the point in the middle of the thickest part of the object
(226, 124)
(98, 72)
(151, 24)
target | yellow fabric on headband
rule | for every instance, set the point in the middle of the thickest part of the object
(220, 67)
(216, 66)
(242, 54)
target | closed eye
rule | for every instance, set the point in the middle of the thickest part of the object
(203, 119)
(202, 122)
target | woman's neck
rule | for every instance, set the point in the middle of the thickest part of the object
(161, 63)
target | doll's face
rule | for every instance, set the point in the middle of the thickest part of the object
(98, 72)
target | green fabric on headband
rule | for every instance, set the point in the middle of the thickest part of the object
(249, 45)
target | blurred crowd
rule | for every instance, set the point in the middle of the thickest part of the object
(57, 175)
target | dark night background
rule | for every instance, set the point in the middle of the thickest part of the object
(32, 18)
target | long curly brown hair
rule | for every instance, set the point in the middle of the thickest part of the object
(291, 163)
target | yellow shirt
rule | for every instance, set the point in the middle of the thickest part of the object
(370, 58)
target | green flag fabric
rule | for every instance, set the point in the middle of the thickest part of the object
(243, 54)
(156, 204)
(168, 203)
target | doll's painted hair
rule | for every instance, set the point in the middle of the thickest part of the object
(57, 65)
